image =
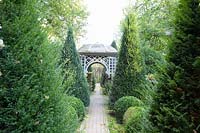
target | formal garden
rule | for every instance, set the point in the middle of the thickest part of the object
(156, 86)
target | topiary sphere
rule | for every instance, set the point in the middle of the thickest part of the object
(72, 119)
(78, 105)
(122, 104)
(134, 120)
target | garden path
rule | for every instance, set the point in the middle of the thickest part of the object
(96, 121)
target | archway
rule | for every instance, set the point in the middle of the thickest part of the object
(97, 70)
(99, 53)
(103, 63)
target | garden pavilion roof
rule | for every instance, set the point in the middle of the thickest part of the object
(97, 49)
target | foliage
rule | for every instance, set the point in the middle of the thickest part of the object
(104, 78)
(72, 120)
(154, 60)
(31, 92)
(107, 87)
(135, 120)
(123, 104)
(71, 62)
(155, 65)
(155, 21)
(91, 79)
(177, 104)
(96, 70)
(115, 127)
(196, 63)
(93, 83)
(155, 30)
(129, 72)
(57, 16)
(78, 105)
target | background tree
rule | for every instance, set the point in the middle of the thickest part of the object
(57, 15)
(104, 78)
(177, 105)
(114, 45)
(129, 70)
(71, 62)
(155, 21)
(31, 92)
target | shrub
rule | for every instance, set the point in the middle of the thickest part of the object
(93, 83)
(78, 105)
(123, 104)
(134, 120)
(107, 87)
(91, 80)
(72, 120)
(68, 120)
(104, 78)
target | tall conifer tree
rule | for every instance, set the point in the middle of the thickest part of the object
(114, 45)
(177, 106)
(129, 68)
(71, 62)
(31, 95)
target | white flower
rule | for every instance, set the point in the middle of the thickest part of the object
(17, 62)
(45, 21)
(168, 33)
(1, 44)
(46, 97)
(44, 25)
(37, 123)
(1, 74)
(151, 78)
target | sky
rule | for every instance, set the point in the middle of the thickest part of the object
(103, 23)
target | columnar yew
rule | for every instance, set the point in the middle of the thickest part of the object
(129, 70)
(114, 45)
(71, 63)
(177, 107)
(31, 94)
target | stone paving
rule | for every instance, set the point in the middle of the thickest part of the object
(96, 121)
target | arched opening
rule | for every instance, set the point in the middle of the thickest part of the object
(96, 73)
(97, 62)
(97, 70)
